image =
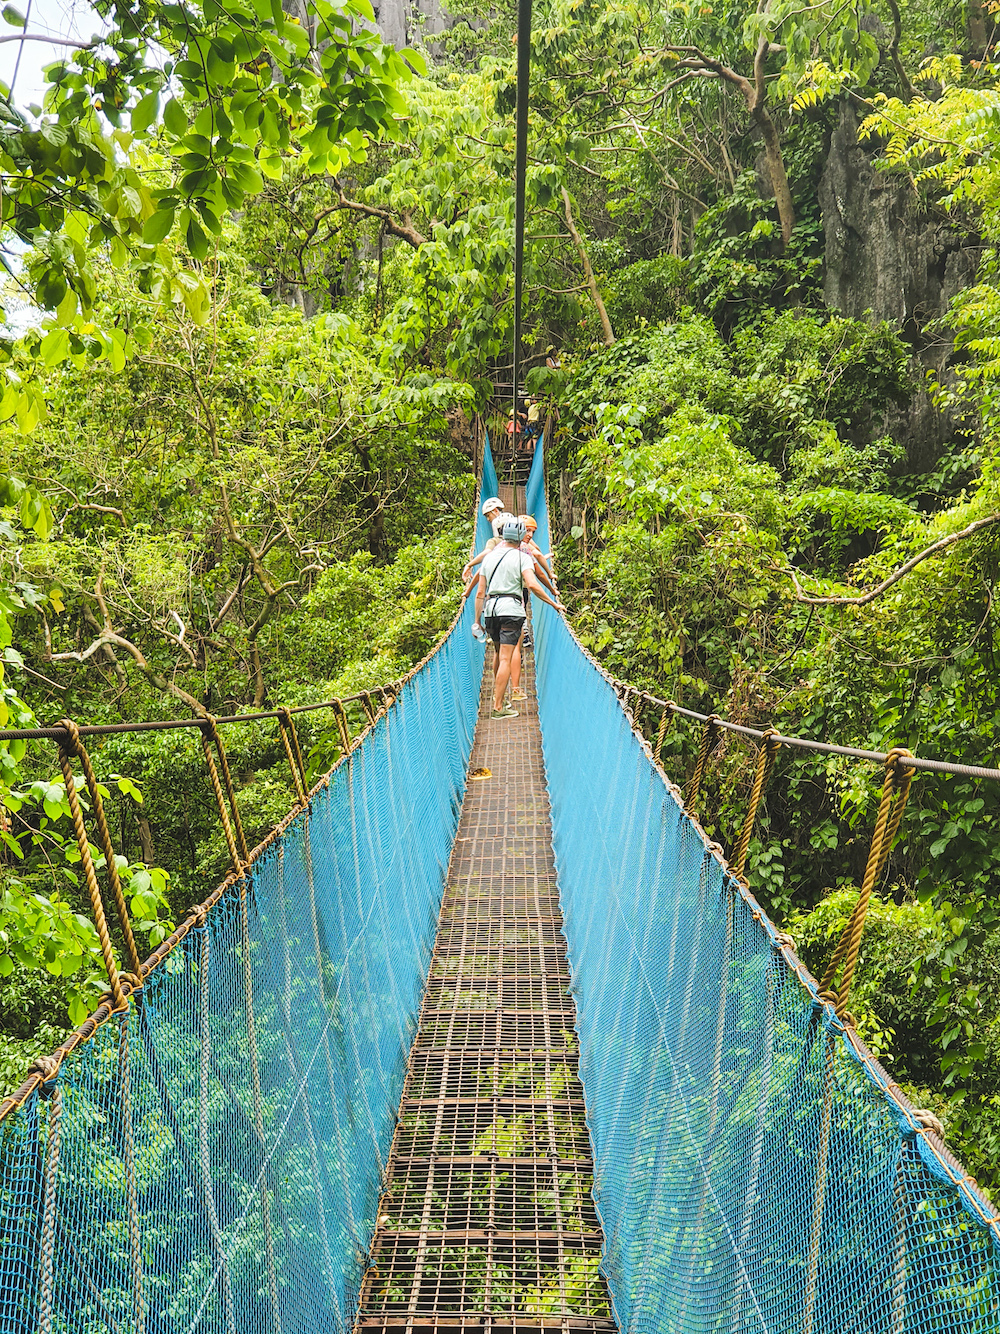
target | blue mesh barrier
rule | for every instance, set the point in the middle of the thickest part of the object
(212, 1159)
(489, 487)
(205, 1164)
(753, 1170)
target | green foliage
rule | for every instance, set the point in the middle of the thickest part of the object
(739, 266)
(650, 291)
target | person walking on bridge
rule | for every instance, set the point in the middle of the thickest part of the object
(504, 575)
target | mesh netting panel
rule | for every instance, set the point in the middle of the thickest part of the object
(752, 1171)
(205, 1164)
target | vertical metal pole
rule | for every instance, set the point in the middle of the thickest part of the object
(520, 168)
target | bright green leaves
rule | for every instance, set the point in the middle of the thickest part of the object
(32, 508)
(157, 226)
(144, 112)
(249, 86)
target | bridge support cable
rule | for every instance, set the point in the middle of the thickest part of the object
(520, 173)
(755, 1167)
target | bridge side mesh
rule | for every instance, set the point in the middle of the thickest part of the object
(168, 1185)
(752, 1171)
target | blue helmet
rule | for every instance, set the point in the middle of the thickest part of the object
(513, 531)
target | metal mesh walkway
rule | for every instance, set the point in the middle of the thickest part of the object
(487, 1218)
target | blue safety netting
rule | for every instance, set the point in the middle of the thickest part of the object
(202, 1164)
(752, 1169)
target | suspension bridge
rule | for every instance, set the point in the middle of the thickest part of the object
(487, 1034)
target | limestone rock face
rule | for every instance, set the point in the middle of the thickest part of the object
(889, 258)
(398, 20)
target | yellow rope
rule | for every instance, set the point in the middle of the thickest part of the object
(293, 754)
(895, 790)
(90, 875)
(665, 717)
(765, 763)
(227, 828)
(107, 847)
(708, 739)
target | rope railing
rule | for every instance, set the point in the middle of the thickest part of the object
(123, 987)
(67, 734)
(626, 691)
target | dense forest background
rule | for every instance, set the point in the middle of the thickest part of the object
(258, 290)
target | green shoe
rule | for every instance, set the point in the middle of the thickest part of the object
(505, 713)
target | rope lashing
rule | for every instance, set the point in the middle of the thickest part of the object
(666, 717)
(227, 778)
(220, 801)
(709, 739)
(74, 745)
(90, 875)
(765, 763)
(895, 790)
(369, 708)
(340, 713)
(293, 753)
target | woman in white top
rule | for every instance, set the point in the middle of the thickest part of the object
(504, 575)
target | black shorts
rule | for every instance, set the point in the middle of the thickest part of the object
(504, 629)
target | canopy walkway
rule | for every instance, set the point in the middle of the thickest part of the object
(377, 1082)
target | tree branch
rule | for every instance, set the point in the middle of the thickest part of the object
(609, 336)
(403, 229)
(53, 41)
(864, 598)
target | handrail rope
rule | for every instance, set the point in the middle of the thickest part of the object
(58, 731)
(107, 847)
(766, 756)
(895, 790)
(800, 743)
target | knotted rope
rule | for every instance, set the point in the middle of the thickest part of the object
(665, 718)
(709, 739)
(765, 763)
(74, 745)
(293, 753)
(340, 713)
(209, 729)
(895, 790)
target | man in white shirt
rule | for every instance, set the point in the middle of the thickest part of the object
(503, 576)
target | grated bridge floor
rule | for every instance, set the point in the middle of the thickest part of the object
(487, 1220)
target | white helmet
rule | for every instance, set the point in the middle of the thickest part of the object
(492, 504)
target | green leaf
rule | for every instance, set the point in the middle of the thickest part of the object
(175, 118)
(157, 226)
(13, 16)
(144, 113)
(197, 241)
(6, 965)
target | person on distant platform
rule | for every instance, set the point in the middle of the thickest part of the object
(533, 428)
(506, 572)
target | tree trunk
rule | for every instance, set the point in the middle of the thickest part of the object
(776, 167)
(146, 840)
(609, 336)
